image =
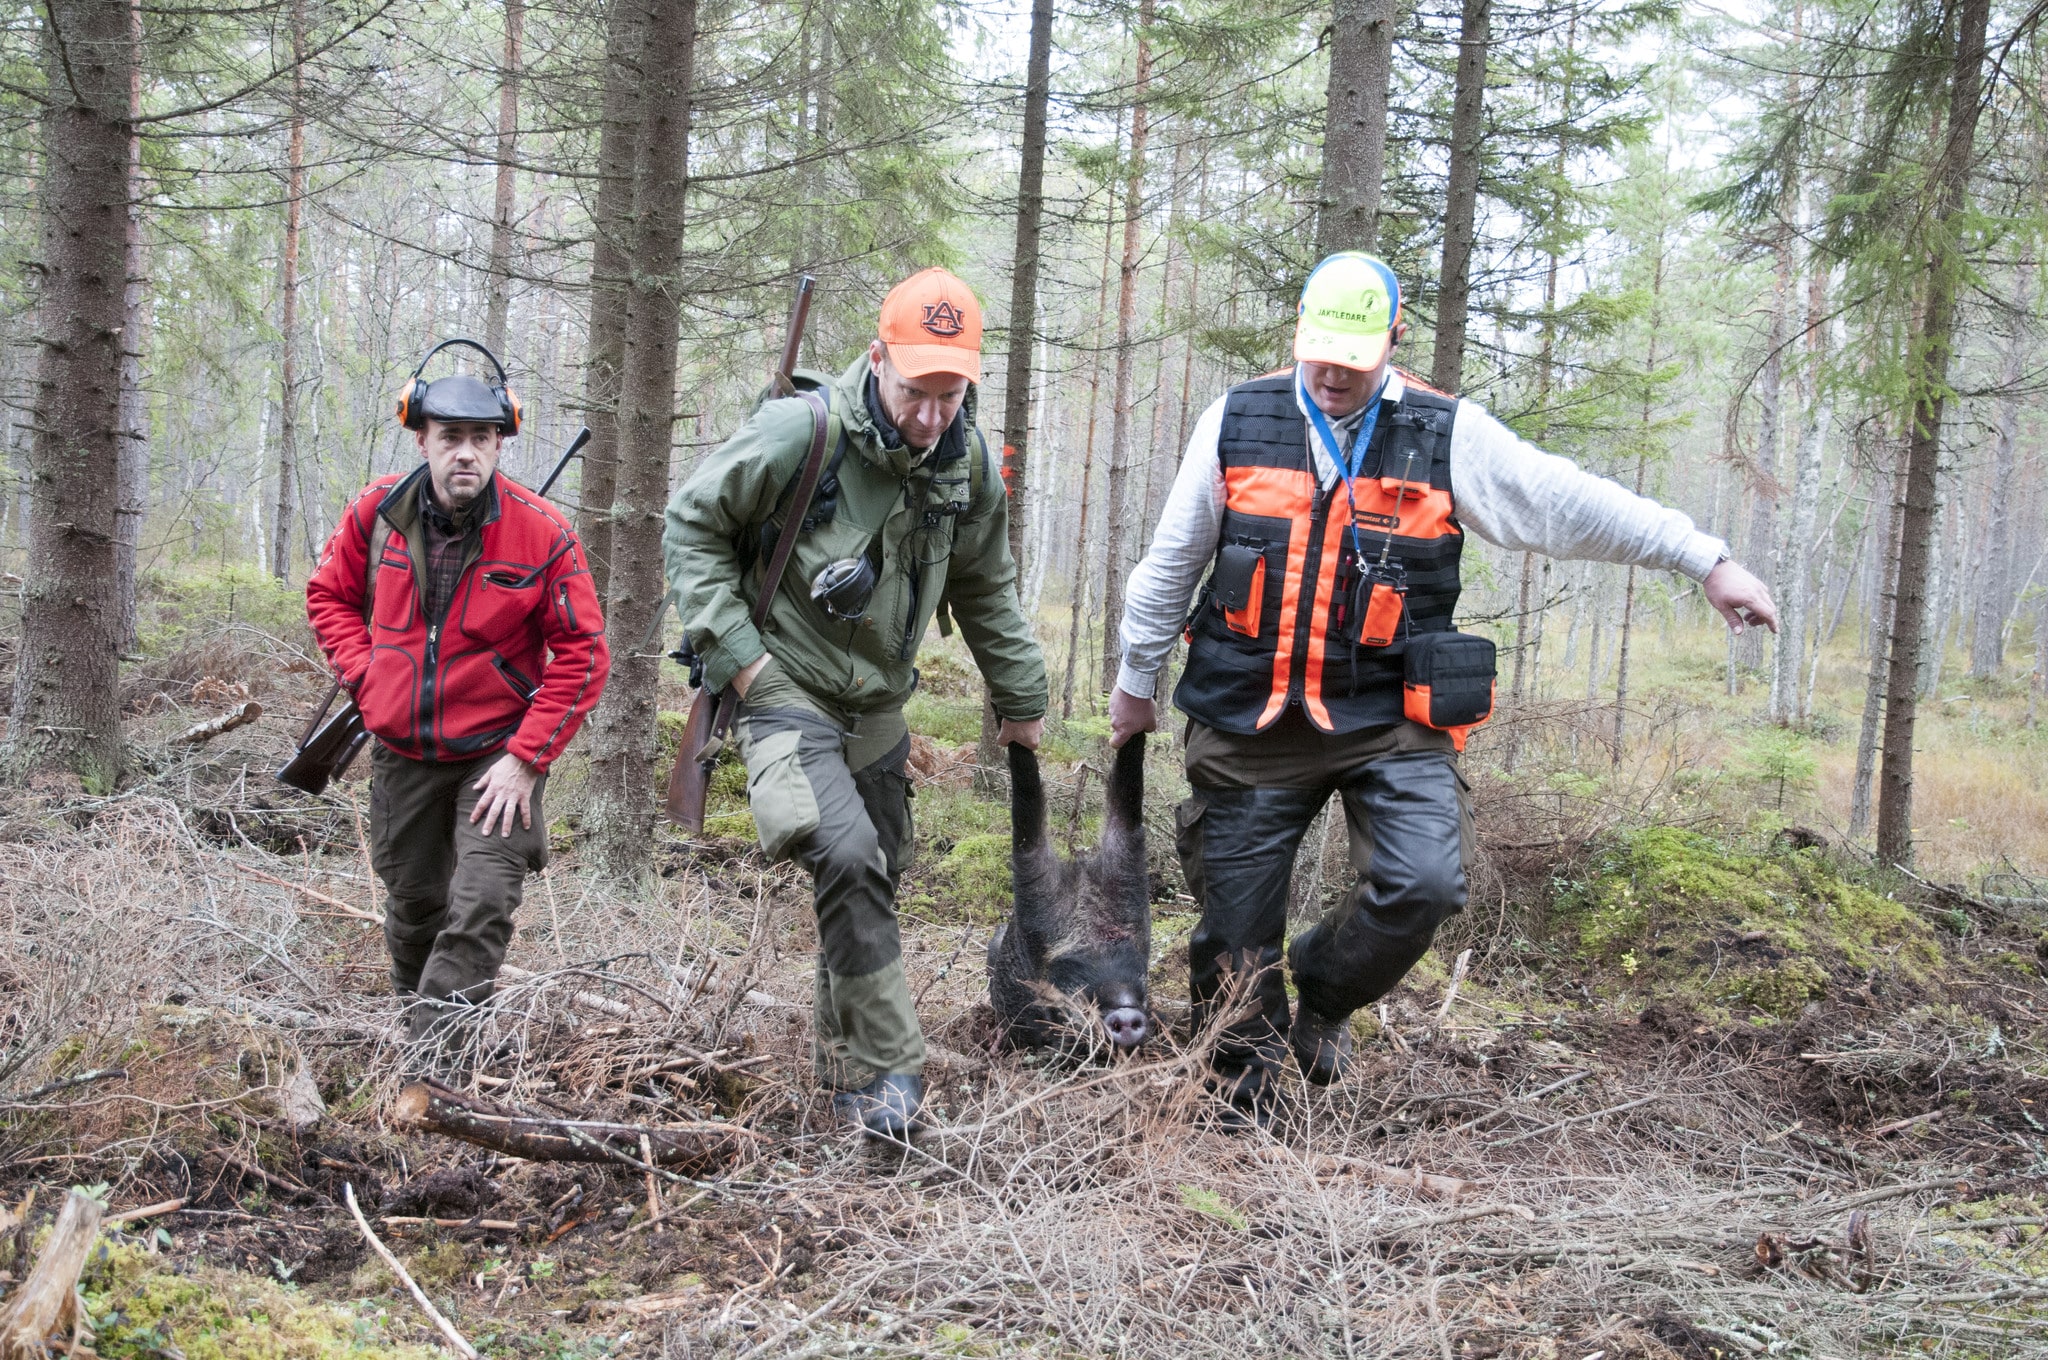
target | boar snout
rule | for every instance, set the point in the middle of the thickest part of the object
(1126, 1026)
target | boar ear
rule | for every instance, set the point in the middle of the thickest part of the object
(1027, 801)
(1126, 800)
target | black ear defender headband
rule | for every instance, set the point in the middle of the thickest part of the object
(412, 398)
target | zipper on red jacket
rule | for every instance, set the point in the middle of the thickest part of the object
(428, 671)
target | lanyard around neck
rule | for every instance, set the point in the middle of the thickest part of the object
(1347, 467)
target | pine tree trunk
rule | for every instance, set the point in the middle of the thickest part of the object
(1765, 478)
(1355, 124)
(1023, 334)
(1932, 347)
(66, 713)
(1024, 280)
(1892, 482)
(498, 310)
(1795, 573)
(133, 485)
(1082, 560)
(620, 810)
(1461, 204)
(288, 312)
(1994, 580)
(610, 264)
(1116, 512)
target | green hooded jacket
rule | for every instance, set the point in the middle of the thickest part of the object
(943, 542)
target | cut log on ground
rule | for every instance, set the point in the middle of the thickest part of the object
(45, 1308)
(692, 1149)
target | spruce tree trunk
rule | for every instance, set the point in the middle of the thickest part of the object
(1355, 124)
(1461, 203)
(1933, 347)
(288, 310)
(498, 310)
(620, 810)
(66, 714)
(133, 508)
(1994, 579)
(1117, 512)
(610, 263)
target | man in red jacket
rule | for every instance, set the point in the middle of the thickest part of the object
(474, 648)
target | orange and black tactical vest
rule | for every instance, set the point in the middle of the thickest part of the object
(1285, 644)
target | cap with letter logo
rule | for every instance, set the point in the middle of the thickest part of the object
(931, 323)
(1349, 308)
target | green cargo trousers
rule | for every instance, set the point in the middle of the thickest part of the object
(829, 790)
(451, 890)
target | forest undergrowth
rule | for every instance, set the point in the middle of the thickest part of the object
(1714, 1088)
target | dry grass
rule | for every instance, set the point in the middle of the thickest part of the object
(1643, 1187)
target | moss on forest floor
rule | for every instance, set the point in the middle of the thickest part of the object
(1673, 913)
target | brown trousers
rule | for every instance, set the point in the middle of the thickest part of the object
(452, 891)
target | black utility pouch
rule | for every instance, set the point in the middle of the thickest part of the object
(1239, 585)
(1236, 567)
(1449, 680)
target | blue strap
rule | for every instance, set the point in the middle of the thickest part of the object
(1352, 465)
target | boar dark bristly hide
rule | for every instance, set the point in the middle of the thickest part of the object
(1068, 967)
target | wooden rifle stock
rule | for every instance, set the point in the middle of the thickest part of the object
(711, 715)
(327, 749)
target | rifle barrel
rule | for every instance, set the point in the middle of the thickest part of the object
(799, 314)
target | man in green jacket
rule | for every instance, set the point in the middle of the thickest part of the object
(909, 522)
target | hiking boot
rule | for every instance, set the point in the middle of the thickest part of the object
(1245, 1101)
(885, 1108)
(1321, 1045)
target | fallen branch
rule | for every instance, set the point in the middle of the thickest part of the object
(1901, 1125)
(1575, 1119)
(239, 716)
(1332, 1164)
(697, 1147)
(314, 893)
(275, 1182)
(50, 1088)
(441, 1324)
(127, 1216)
(46, 1305)
(492, 1224)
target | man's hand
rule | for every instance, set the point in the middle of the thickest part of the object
(508, 788)
(1025, 734)
(1739, 597)
(746, 677)
(1129, 715)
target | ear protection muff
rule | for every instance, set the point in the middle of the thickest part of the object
(412, 397)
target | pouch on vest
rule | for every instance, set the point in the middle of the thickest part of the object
(1448, 681)
(1373, 606)
(1240, 586)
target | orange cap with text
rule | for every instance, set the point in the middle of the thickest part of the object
(931, 323)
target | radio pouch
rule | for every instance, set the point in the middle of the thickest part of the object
(1372, 614)
(1448, 681)
(1239, 584)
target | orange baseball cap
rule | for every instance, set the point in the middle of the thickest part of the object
(931, 323)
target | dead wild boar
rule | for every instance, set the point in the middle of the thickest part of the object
(1075, 950)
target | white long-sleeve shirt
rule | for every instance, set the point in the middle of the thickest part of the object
(1507, 491)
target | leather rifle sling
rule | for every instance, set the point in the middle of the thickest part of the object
(799, 506)
(771, 577)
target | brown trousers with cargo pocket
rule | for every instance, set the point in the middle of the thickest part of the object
(452, 890)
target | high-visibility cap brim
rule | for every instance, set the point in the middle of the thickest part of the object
(1349, 308)
(1346, 351)
(922, 361)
